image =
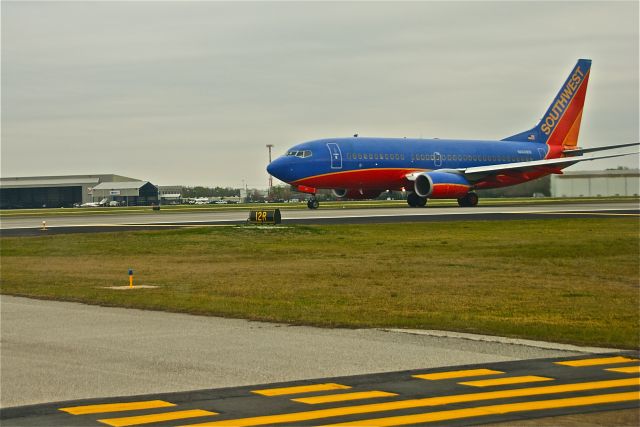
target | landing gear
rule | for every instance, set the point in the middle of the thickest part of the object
(416, 201)
(313, 203)
(468, 201)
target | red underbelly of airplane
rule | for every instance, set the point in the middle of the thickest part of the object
(512, 178)
(380, 179)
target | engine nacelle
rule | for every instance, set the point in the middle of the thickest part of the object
(441, 185)
(340, 192)
(355, 194)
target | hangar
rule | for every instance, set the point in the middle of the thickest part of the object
(53, 191)
(130, 193)
(617, 182)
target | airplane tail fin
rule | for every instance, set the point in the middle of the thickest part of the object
(560, 125)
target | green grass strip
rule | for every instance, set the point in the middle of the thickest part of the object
(564, 280)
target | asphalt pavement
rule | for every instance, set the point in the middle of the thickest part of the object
(55, 351)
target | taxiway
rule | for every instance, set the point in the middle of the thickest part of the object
(79, 223)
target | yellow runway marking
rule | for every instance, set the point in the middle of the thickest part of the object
(343, 397)
(626, 370)
(116, 407)
(301, 389)
(155, 418)
(599, 361)
(504, 381)
(496, 409)
(457, 374)
(418, 403)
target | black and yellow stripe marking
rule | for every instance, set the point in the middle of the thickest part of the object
(595, 362)
(483, 411)
(155, 418)
(117, 407)
(344, 397)
(457, 374)
(417, 403)
(282, 391)
(136, 406)
(402, 398)
(626, 370)
(506, 381)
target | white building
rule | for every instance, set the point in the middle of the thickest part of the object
(596, 183)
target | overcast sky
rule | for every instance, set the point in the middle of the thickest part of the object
(191, 92)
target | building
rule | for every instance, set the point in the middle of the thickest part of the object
(52, 191)
(596, 183)
(170, 194)
(128, 193)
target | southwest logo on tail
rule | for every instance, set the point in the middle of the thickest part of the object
(361, 168)
(560, 125)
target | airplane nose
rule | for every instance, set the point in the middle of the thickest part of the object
(277, 168)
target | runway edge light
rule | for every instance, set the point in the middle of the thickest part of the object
(130, 278)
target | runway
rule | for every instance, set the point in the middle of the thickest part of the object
(79, 356)
(31, 226)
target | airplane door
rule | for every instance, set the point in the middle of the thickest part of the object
(336, 155)
(437, 159)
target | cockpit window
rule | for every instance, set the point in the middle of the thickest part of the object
(300, 153)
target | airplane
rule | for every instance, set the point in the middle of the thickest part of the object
(362, 168)
(102, 202)
(198, 201)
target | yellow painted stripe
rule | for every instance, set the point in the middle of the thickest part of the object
(343, 397)
(418, 403)
(457, 374)
(482, 411)
(505, 381)
(626, 370)
(155, 418)
(599, 361)
(116, 407)
(301, 389)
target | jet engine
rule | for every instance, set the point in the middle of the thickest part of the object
(441, 185)
(355, 193)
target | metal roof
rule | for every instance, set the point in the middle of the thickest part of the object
(45, 182)
(128, 185)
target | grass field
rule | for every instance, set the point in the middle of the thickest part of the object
(574, 281)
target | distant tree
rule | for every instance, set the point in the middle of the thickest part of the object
(281, 192)
(200, 191)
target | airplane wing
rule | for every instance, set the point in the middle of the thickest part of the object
(474, 174)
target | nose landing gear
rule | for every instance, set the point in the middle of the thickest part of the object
(313, 203)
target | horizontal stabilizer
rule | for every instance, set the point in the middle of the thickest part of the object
(580, 151)
(481, 172)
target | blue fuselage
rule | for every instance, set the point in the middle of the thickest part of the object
(382, 163)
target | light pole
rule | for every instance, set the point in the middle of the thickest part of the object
(269, 147)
